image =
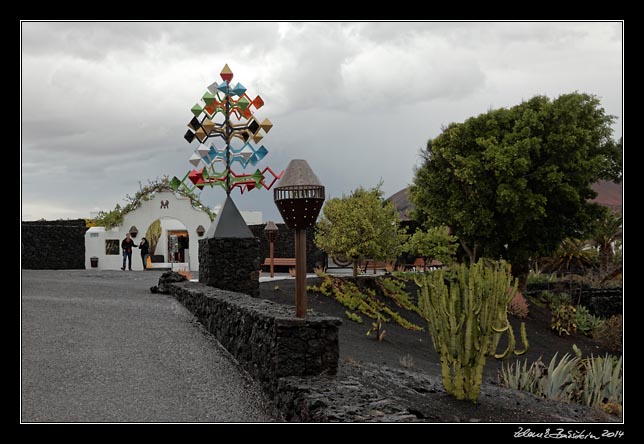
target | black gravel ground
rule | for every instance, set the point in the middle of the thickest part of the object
(413, 352)
(99, 347)
(400, 343)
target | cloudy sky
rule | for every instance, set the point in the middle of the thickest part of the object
(105, 105)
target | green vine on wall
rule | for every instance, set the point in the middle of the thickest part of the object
(114, 218)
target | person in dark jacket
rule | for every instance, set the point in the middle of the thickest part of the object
(144, 246)
(127, 245)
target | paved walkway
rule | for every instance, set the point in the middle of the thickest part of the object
(97, 346)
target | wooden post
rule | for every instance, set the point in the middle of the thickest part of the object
(272, 260)
(300, 273)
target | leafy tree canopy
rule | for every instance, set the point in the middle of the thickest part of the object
(361, 225)
(435, 243)
(515, 182)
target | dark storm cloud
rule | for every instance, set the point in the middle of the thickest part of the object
(105, 105)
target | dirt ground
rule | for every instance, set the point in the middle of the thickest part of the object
(413, 351)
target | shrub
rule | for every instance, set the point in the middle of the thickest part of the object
(587, 323)
(377, 330)
(407, 361)
(564, 320)
(518, 306)
(612, 408)
(185, 273)
(395, 290)
(435, 243)
(609, 335)
(535, 276)
(554, 300)
(364, 300)
(354, 317)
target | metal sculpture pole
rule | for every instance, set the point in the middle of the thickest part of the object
(300, 272)
(272, 256)
(270, 232)
(299, 198)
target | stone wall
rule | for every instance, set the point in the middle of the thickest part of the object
(230, 264)
(285, 246)
(602, 302)
(368, 392)
(53, 245)
(266, 338)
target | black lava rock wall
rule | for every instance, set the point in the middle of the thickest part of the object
(602, 302)
(230, 264)
(53, 245)
(266, 338)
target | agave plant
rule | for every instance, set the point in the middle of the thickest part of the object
(602, 380)
(594, 381)
(522, 377)
(558, 382)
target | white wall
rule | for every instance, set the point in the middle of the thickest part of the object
(95, 246)
(252, 217)
(178, 208)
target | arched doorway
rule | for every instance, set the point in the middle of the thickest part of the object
(169, 243)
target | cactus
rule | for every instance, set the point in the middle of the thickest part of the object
(466, 309)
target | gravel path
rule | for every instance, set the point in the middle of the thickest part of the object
(97, 346)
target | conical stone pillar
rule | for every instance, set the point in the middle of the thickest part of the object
(229, 253)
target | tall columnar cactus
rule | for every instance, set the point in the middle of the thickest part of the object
(466, 309)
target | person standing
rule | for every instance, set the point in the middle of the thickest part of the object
(127, 245)
(144, 246)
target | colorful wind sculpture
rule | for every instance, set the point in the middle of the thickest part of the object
(226, 128)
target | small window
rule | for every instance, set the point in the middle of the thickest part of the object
(111, 246)
(93, 234)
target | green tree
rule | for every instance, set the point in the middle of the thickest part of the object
(435, 243)
(361, 225)
(513, 183)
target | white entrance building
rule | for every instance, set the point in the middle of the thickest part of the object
(182, 226)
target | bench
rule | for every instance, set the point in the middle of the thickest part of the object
(419, 265)
(280, 261)
(375, 265)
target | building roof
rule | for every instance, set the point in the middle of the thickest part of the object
(402, 204)
(609, 194)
